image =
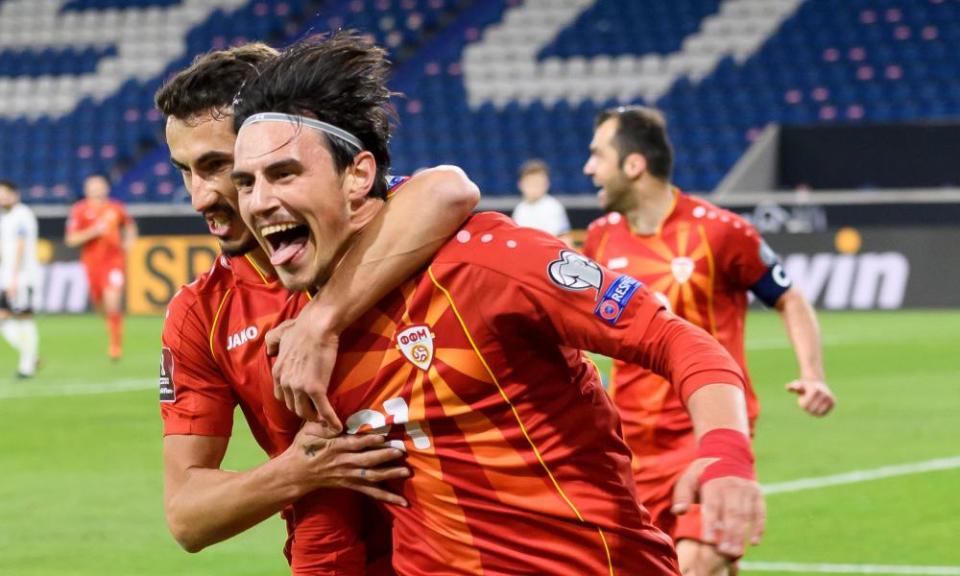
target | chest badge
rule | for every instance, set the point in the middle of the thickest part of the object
(416, 344)
(682, 268)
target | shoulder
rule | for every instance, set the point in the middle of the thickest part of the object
(719, 221)
(204, 292)
(605, 223)
(493, 242)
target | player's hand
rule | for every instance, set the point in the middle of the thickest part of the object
(732, 509)
(325, 459)
(305, 355)
(814, 396)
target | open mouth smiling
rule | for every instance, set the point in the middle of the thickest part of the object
(286, 239)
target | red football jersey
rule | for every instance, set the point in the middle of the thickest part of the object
(106, 249)
(701, 263)
(212, 341)
(474, 368)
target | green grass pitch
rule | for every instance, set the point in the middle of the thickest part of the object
(80, 468)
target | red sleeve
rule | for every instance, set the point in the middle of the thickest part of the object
(533, 284)
(73, 220)
(122, 215)
(195, 398)
(741, 257)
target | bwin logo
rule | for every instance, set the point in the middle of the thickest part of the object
(242, 337)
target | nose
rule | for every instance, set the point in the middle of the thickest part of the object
(260, 202)
(202, 194)
(588, 168)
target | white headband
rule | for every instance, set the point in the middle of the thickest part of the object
(328, 129)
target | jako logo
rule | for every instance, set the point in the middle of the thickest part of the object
(242, 337)
(860, 281)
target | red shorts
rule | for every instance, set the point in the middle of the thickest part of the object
(102, 276)
(656, 475)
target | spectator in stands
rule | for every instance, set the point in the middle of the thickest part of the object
(539, 209)
(104, 232)
(18, 276)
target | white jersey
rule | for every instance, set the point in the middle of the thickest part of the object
(546, 214)
(15, 224)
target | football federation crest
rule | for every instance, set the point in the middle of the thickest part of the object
(416, 344)
(682, 268)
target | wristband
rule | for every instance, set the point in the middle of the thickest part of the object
(735, 457)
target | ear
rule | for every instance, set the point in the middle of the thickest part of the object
(359, 176)
(634, 165)
(358, 181)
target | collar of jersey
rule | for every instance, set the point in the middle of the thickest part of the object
(246, 270)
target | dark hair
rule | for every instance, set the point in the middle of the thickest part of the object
(338, 79)
(534, 166)
(641, 130)
(212, 81)
(9, 185)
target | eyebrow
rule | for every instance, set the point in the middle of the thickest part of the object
(203, 159)
(279, 164)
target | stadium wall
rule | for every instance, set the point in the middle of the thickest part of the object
(844, 256)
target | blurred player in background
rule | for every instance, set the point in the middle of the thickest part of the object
(473, 365)
(213, 335)
(105, 233)
(18, 277)
(539, 209)
(701, 260)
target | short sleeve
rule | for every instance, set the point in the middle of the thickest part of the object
(73, 220)
(592, 242)
(534, 284)
(195, 399)
(748, 263)
(122, 215)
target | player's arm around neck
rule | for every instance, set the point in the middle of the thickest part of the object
(800, 322)
(400, 240)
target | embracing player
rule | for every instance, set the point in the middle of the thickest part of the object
(105, 233)
(18, 277)
(215, 328)
(701, 261)
(473, 365)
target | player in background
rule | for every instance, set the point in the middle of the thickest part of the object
(18, 277)
(701, 260)
(539, 209)
(473, 365)
(105, 233)
(214, 330)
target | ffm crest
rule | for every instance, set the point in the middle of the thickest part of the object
(416, 344)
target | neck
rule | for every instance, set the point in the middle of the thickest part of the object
(652, 202)
(261, 260)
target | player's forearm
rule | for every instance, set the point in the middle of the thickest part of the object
(130, 233)
(802, 328)
(212, 505)
(717, 406)
(402, 239)
(80, 237)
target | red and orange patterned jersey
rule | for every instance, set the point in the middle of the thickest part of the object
(106, 248)
(212, 344)
(701, 263)
(474, 368)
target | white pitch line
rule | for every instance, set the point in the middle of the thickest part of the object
(849, 568)
(27, 389)
(858, 476)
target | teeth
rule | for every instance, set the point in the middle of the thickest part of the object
(220, 220)
(275, 228)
